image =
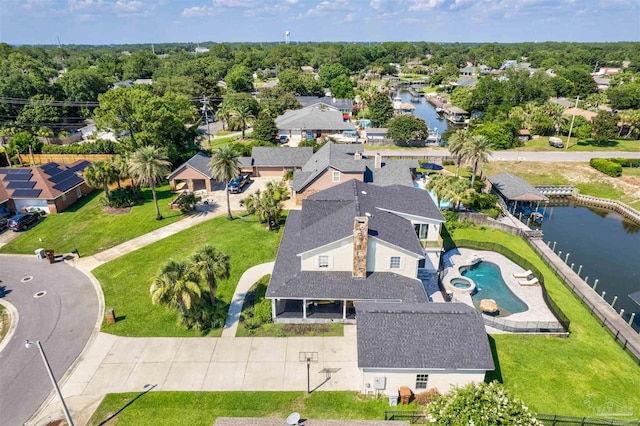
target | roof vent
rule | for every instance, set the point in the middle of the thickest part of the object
(367, 214)
(363, 192)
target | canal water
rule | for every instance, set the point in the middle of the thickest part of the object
(605, 244)
(426, 111)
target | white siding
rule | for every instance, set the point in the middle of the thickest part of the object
(340, 254)
(439, 379)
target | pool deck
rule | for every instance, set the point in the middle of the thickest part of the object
(530, 295)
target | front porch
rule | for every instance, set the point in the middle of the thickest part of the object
(313, 311)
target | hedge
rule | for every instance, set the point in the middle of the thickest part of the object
(627, 162)
(100, 146)
(606, 166)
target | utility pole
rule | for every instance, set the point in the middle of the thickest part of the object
(575, 109)
(205, 112)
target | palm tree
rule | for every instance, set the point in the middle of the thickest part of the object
(456, 143)
(439, 184)
(242, 117)
(120, 169)
(225, 166)
(266, 205)
(477, 151)
(176, 286)
(459, 191)
(100, 174)
(223, 115)
(212, 266)
(149, 165)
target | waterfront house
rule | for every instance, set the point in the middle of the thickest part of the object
(355, 242)
(313, 122)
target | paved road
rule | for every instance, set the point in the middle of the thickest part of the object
(550, 156)
(62, 320)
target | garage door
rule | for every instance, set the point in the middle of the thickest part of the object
(269, 171)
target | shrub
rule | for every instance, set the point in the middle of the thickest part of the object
(480, 404)
(187, 203)
(448, 162)
(427, 397)
(262, 311)
(100, 146)
(626, 162)
(606, 166)
(125, 197)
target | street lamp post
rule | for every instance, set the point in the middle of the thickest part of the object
(27, 345)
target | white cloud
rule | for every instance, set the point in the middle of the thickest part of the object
(233, 3)
(327, 6)
(375, 4)
(425, 4)
(348, 17)
(197, 11)
(134, 6)
(291, 1)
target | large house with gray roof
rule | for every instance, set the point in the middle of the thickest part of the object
(355, 242)
(338, 104)
(337, 163)
(313, 122)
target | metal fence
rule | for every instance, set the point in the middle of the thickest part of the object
(553, 420)
(413, 417)
(527, 327)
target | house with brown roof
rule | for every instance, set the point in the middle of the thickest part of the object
(50, 187)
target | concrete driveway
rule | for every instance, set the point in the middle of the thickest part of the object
(217, 199)
(62, 318)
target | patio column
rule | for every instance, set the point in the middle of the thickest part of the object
(304, 308)
(344, 309)
(273, 310)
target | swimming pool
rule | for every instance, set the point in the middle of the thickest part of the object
(490, 285)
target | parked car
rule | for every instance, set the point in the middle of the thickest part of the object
(4, 224)
(237, 183)
(283, 139)
(556, 142)
(22, 221)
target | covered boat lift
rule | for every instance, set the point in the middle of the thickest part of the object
(518, 193)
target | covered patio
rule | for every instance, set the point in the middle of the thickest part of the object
(308, 310)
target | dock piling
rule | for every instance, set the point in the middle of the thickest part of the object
(613, 302)
(566, 259)
(595, 284)
(579, 269)
(633, 316)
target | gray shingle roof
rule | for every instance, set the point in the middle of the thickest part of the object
(313, 118)
(339, 103)
(466, 82)
(326, 217)
(199, 162)
(338, 156)
(422, 335)
(514, 188)
(392, 172)
(276, 156)
(245, 162)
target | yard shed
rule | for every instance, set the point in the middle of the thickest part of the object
(195, 173)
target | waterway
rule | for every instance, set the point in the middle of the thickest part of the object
(605, 244)
(426, 111)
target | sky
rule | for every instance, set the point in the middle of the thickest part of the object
(155, 21)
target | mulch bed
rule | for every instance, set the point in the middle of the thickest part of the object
(114, 210)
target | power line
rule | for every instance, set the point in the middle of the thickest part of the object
(19, 101)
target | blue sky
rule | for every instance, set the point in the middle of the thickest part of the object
(146, 21)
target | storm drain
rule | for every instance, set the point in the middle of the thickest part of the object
(39, 294)
(26, 279)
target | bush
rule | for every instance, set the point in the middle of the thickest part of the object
(480, 404)
(606, 166)
(427, 397)
(262, 311)
(125, 197)
(626, 162)
(100, 146)
(448, 162)
(187, 203)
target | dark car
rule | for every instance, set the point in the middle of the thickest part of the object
(22, 221)
(283, 139)
(4, 224)
(237, 183)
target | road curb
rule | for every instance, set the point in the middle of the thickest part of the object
(13, 314)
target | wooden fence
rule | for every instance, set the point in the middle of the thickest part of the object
(65, 158)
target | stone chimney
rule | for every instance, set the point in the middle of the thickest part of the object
(357, 155)
(377, 161)
(360, 238)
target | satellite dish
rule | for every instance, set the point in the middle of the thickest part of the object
(293, 419)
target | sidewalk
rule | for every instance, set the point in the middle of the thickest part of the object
(247, 279)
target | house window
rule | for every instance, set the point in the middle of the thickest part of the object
(421, 381)
(336, 176)
(394, 262)
(323, 261)
(64, 197)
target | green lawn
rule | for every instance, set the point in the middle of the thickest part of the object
(125, 281)
(224, 132)
(84, 226)
(202, 408)
(555, 375)
(542, 144)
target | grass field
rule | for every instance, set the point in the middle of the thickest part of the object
(542, 144)
(202, 408)
(125, 281)
(84, 226)
(556, 375)
(587, 179)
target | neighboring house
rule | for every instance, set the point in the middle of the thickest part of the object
(421, 345)
(469, 71)
(275, 161)
(355, 242)
(195, 172)
(51, 187)
(307, 68)
(312, 122)
(465, 82)
(524, 135)
(589, 115)
(376, 132)
(201, 50)
(602, 82)
(336, 104)
(337, 163)
(608, 71)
